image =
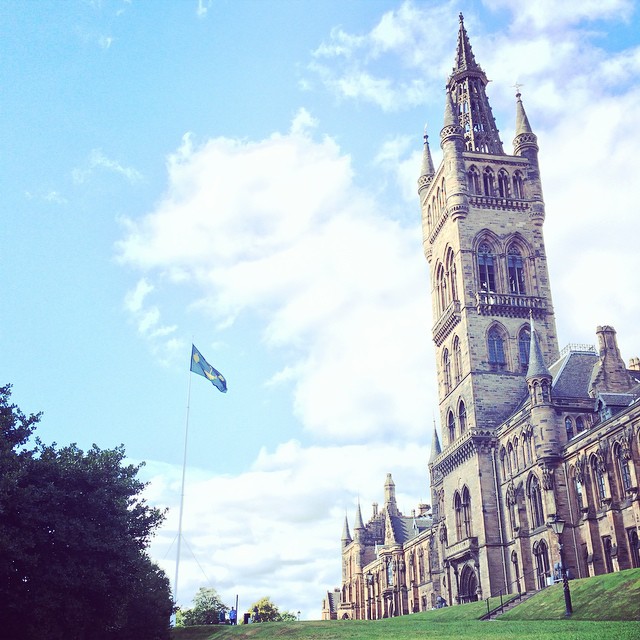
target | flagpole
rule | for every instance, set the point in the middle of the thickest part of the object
(184, 472)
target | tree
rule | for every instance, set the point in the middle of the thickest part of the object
(73, 535)
(267, 611)
(207, 608)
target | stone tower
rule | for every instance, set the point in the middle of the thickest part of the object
(482, 215)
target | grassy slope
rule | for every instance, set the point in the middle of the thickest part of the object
(604, 607)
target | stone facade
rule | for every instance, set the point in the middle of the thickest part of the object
(530, 435)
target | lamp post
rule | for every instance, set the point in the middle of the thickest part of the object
(558, 527)
(369, 588)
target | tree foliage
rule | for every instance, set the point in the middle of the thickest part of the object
(73, 534)
(206, 608)
(264, 610)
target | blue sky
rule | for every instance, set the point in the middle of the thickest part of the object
(243, 175)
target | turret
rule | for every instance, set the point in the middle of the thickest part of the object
(525, 144)
(346, 534)
(390, 496)
(539, 381)
(436, 450)
(610, 374)
(426, 170)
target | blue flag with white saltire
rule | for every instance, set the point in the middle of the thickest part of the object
(200, 366)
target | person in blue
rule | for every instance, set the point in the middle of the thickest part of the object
(232, 616)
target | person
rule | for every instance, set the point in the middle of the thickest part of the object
(232, 616)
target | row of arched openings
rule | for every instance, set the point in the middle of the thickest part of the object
(501, 184)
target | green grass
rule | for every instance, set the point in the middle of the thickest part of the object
(604, 607)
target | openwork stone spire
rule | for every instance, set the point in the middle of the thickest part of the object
(467, 85)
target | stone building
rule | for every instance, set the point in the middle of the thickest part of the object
(530, 434)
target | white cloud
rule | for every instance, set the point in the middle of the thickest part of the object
(276, 227)
(275, 529)
(98, 160)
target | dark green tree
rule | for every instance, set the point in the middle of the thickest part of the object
(73, 534)
(206, 609)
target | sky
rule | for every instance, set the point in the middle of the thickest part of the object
(241, 175)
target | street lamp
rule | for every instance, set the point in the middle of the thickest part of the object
(558, 527)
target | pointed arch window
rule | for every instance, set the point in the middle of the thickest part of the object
(473, 178)
(451, 275)
(622, 470)
(429, 219)
(503, 461)
(598, 481)
(524, 344)
(578, 489)
(441, 289)
(503, 183)
(488, 182)
(515, 269)
(446, 366)
(457, 360)
(451, 424)
(486, 268)
(579, 424)
(457, 507)
(568, 425)
(462, 417)
(496, 347)
(518, 185)
(541, 554)
(466, 512)
(535, 499)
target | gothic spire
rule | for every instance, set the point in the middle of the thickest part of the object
(436, 450)
(467, 85)
(346, 534)
(427, 170)
(524, 135)
(359, 524)
(537, 368)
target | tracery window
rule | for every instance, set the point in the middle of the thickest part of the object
(518, 185)
(535, 498)
(457, 508)
(524, 344)
(466, 512)
(515, 268)
(622, 470)
(457, 360)
(503, 183)
(473, 179)
(598, 481)
(451, 423)
(568, 425)
(486, 268)
(495, 343)
(462, 417)
(579, 424)
(446, 365)
(488, 182)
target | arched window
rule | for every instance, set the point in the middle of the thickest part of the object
(451, 424)
(503, 183)
(568, 425)
(457, 508)
(443, 195)
(473, 179)
(524, 344)
(598, 481)
(466, 512)
(462, 417)
(446, 367)
(488, 182)
(451, 275)
(515, 268)
(441, 285)
(535, 499)
(513, 463)
(518, 185)
(486, 268)
(495, 343)
(429, 218)
(622, 470)
(457, 360)
(541, 554)
(503, 461)
(579, 424)
(577, 485)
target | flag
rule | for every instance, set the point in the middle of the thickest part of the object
(200, 366)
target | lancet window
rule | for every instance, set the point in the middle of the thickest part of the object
(503, 183)
(515, 269)
(495, 343)
(486, 268)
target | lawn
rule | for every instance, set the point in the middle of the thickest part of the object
(604, 607)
